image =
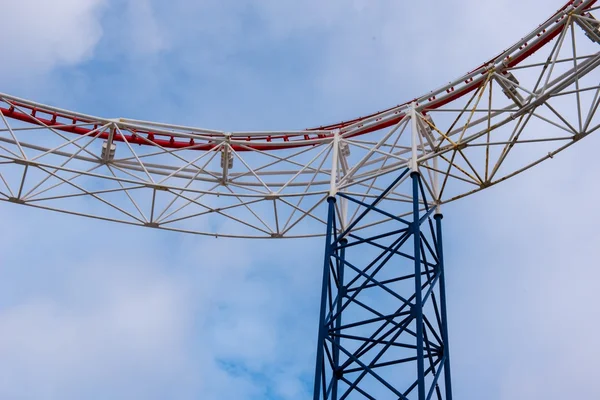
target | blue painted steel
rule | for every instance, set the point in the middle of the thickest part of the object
(418, 307)
(371, 206)
(319, 368)
(338, 319)
(440, 250)
(363, 342)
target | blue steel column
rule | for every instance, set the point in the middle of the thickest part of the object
(418, 310)
(338, 319)
(319, 368)
(448, 384)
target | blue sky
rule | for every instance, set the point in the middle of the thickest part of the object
(90, 310)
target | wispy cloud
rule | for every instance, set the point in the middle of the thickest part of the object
(42, 36)
(93, 310)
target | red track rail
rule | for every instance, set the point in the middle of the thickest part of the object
(38, 115)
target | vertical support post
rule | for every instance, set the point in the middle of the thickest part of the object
(448, 383)
(416, 231)
(414, 138)
(334, 164)
(338, 320)
(320, 361)
(418, 306)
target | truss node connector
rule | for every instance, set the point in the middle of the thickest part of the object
(151, 224)
(272, 196)
(16, 200)
(426, 129)
(591, 26)
(226, 157)
(158, 187)
(460, 146)
(509, 88)
(344, 149)
(108, 151)
(429, 123)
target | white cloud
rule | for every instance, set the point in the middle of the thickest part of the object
(41, 35)
(123, 322)
(146, 35)
(129, 313)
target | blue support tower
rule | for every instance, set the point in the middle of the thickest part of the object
(383, 331)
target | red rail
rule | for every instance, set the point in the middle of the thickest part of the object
(72, 124)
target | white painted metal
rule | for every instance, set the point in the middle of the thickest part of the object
(478, 130)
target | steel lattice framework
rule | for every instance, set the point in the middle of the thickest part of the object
(376, 182)
(383, 304)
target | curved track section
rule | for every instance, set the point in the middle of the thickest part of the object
(522, 107)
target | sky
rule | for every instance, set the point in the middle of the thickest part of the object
(92, 310)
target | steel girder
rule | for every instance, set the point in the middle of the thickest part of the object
(383, 331)
(510, 113)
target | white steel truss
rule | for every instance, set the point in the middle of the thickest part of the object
(532, 101)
